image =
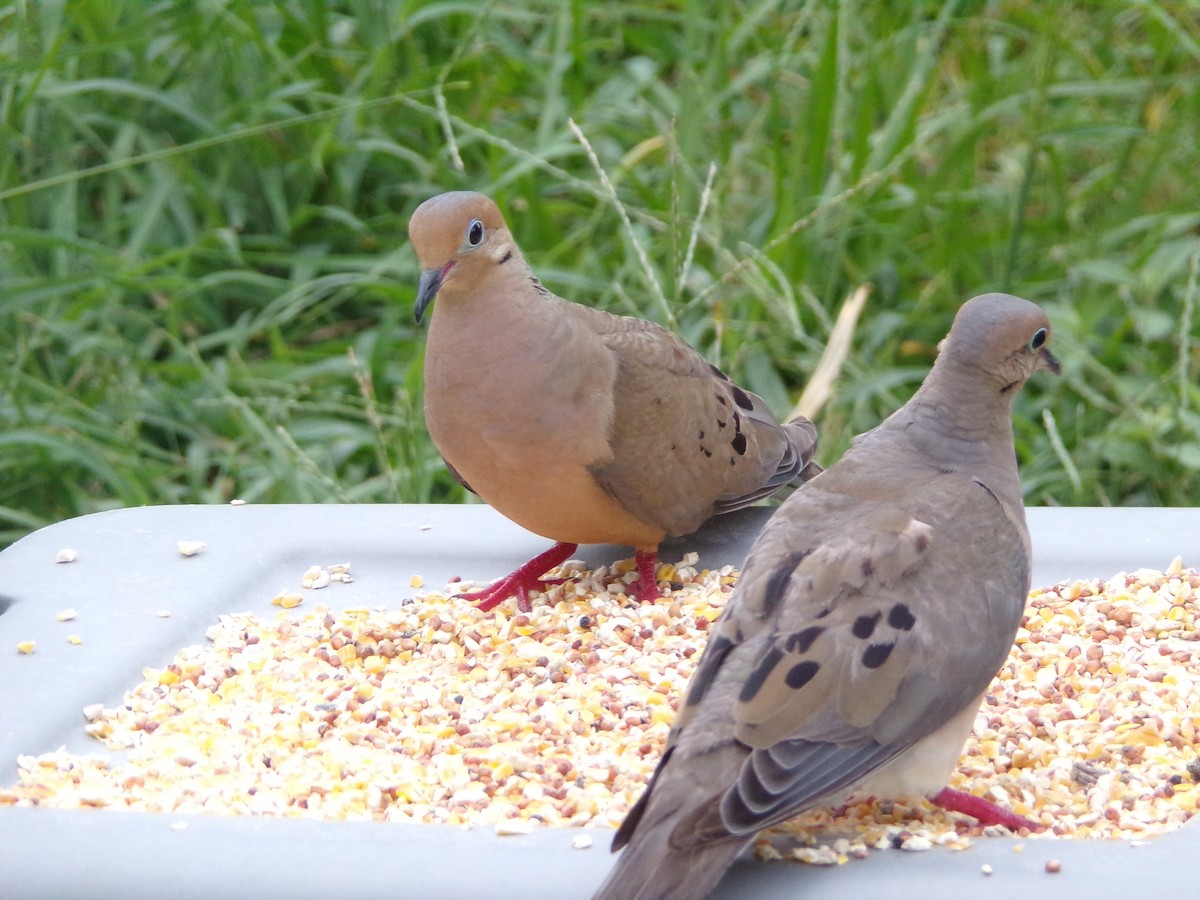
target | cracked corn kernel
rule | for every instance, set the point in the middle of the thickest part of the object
(26, 647)
(436, 712)
(287, 599)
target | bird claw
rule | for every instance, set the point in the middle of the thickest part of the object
(521, 581)
(985, 811)
(529, 578)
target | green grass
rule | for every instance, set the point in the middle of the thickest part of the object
(206, 287)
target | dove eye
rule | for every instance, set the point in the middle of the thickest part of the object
(1039, 338)
(475, 233)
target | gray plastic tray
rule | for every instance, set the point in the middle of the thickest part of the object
(129, 567)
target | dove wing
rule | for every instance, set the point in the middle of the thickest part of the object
(835, 641)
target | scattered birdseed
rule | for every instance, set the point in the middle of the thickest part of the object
(416, 581)
(163, 614)
(74, 639)
(317, 577)
(434, 711)
(581, 841)
(818, 856)
(66, 555)
(1053, 866)
(26, 647)
(985, 869)
(916, 843)
(237, 502)
(510, 827)
(191, 548)
(66, 615)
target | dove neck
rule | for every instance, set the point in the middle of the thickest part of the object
(486, 315)
(963, 423)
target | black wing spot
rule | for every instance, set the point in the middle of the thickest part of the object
(921, 543)
(702, 435)
(739, 443)
(737, 421)
(774, 588)
(720, 646)
(722, 400)
(823, 613)
(707, 453)
(506, 257)
(876, 655)
(801, 674)
(764, 668)
(802, 640)
(741, 398)
(718, 372)
(720, 425)
(900, 618)
(864, 626)
(868, 568)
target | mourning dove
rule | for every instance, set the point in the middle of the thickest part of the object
(873, 610)
(580, 425)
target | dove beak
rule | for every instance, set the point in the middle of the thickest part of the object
(431, 280)
(1050, 361)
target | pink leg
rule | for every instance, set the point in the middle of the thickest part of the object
(525, 579)
(647, 591)
(987, 812)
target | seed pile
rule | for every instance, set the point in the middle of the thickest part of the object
(436, 712)
(432, 712)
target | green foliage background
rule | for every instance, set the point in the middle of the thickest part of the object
(206, 287)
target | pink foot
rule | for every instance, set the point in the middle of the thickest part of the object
(647, 589)
(525, 579)
(987, 812)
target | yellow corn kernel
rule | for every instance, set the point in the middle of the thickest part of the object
(290, 600)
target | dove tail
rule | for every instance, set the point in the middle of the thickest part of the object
(650, 869)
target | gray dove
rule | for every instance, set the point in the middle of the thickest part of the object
(580, 425)
(872, 613)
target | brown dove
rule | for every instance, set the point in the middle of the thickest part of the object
(580, 425)
(872, 613)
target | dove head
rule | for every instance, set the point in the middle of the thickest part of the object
(460, 238)
(1002, 338)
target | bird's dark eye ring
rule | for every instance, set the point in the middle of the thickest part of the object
(475, 233)
(1039, 338)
